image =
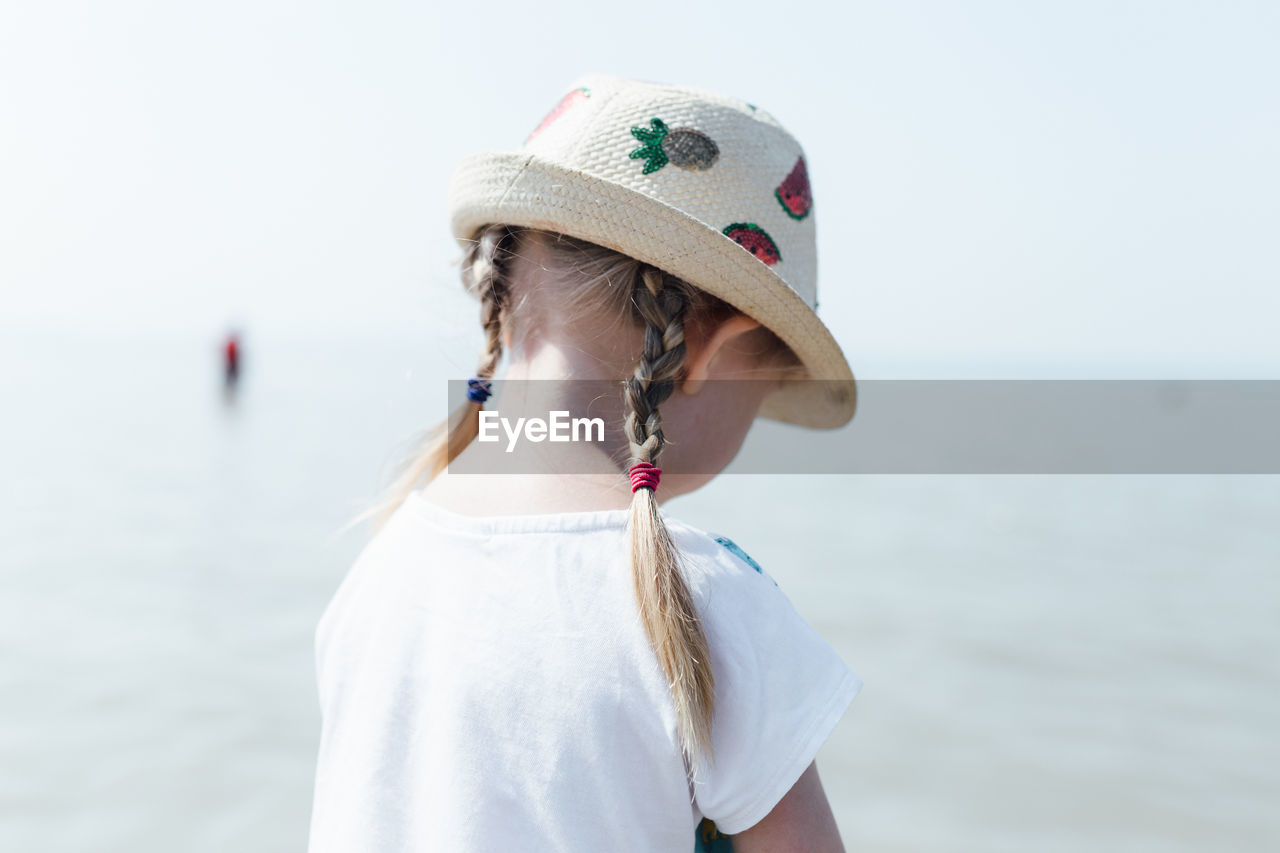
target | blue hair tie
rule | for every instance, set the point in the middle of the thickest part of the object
(478, 390)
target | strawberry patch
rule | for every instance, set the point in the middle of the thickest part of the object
(572, 99)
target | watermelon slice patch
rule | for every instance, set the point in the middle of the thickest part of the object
(575, 97)
(794, 194)
(755, 240)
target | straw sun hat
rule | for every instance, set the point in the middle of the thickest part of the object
(708, 188)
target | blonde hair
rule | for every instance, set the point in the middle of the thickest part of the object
(629, 290)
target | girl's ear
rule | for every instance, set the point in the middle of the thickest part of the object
(704, 342)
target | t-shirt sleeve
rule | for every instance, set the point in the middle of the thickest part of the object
(780, 689)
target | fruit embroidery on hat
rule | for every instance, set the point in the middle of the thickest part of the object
(577, 96)
(684, 146)
(755, 240)
(794, 194)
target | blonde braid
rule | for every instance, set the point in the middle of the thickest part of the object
(485, 277)
(484, 272)
(662, 595)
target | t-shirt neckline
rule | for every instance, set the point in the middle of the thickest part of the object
(487, 525)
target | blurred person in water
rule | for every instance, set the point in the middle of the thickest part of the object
(231, 358)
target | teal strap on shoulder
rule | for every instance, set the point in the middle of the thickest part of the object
(739, 553)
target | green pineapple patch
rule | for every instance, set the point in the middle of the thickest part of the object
(683, 146)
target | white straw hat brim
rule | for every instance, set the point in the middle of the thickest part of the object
(522, 189)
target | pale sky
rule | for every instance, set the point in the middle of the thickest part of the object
(1077, 188)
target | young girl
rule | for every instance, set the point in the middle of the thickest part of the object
(542, 659)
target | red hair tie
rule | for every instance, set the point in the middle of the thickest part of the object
(644, 475)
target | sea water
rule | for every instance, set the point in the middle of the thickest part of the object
(1050, 663)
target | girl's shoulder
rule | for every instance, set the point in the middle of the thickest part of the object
(714, 546)
(780, 688)
(713, 562)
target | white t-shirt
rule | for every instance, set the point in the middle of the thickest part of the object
(486, 684)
